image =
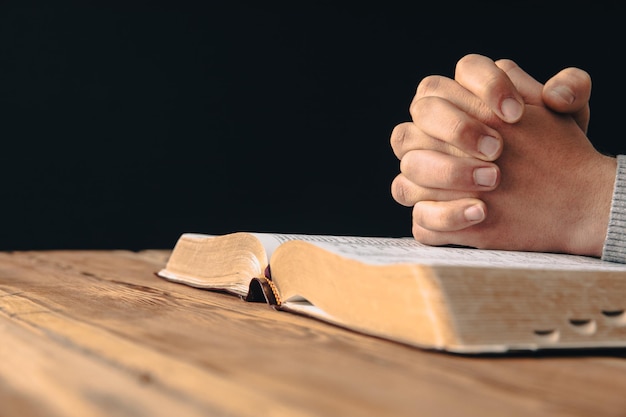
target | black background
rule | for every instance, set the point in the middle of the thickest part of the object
(124, 125)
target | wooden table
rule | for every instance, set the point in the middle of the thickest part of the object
(96, 333)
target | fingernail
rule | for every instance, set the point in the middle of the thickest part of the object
(564, 93)
(511, 109)
(485, 176)
(474, 213)
(488, 146)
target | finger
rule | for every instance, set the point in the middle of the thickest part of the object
(569, 92)
(445, 216)
(440, 119)
(407, 193)
(433, 169)
(481, 76)
(407, 136)
(452, 91)
(529, 88)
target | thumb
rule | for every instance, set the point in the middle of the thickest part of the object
(568, 92)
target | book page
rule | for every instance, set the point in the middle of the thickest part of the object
(381, 250)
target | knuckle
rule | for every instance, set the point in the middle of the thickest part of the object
(401, 193)
(406, 163)
(418, 228)
(425, 236)
(428, 85)
(460, 129)
(407, 192)
(419, 234)
(398, 139)
(424, 107)
(467, 61)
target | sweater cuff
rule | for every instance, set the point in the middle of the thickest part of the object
(614, 249)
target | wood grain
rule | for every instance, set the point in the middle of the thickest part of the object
(97, 333)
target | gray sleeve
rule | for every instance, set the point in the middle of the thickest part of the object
(615, 243)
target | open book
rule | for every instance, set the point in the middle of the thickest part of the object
(445, 298)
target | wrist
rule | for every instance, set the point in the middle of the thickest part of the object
(589, 233)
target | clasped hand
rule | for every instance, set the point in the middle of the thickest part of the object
(494, 159)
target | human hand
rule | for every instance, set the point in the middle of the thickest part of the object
(504, 86)
(458, 128)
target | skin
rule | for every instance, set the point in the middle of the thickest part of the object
(494, 159)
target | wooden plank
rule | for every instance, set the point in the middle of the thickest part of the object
(184, 350)
(44, 374)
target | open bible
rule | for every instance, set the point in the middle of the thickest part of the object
(455, 299)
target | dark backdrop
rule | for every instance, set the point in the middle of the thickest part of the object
(123, 126)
